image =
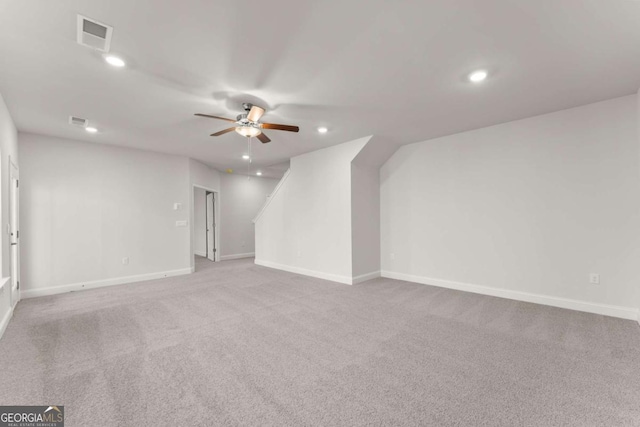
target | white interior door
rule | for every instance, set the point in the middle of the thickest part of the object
(211, 227)
(14, 232)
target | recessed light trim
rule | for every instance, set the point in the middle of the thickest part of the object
(246, 156)
(91, 129)
(259, 173)
(115, 61)
(478, 76)
(323, 129)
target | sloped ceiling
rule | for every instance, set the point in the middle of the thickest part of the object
(394, 69)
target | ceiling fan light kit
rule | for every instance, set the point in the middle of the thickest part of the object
(248, 124)
(248, 131)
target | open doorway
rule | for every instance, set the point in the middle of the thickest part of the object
(210, 226)
(205, 226)
(14, 232)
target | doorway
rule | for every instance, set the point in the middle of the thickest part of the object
(210, 227)
(205, 225)
(14, 232)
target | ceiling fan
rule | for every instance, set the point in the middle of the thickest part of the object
(248, 124)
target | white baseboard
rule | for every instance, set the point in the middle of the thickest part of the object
(320, 275)
(5, 321)
(364, 277)
(53, 290)
(589, 307)
(202, 254)
(237, 256)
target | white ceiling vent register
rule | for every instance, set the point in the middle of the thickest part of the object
(94, 34)
(77, 121)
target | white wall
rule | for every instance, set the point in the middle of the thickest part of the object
(307, 225)
(241, 200)
(365, 221)
(365, 207)
(85, 206)
(638, 136)
(204, 176)
(199, 222)
(527, 207)
(8, 149)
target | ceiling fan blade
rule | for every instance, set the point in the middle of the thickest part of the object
(288, 128)
(222, 132)
(215, 117)
(263, 138)
(255, 113)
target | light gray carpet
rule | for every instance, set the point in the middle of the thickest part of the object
(238, 344)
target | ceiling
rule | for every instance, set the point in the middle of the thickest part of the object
(395, 69)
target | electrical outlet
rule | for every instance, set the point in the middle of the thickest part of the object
(594, 278)
(393, 256)
(125, 260)
(181, 223)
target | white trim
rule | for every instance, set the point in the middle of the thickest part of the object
(5, 321)
(589, 307)
(275, 190)
(81, 286)
(237, 256)
(326, 276)
(364, 277)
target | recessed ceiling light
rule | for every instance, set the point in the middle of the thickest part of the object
(114, 60)
(245, 156)
(91, 129)
(478, 76)
(258, 173)
(323, 129)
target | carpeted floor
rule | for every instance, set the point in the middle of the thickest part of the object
(239, 344)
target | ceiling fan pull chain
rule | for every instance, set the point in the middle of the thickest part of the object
(250, 158)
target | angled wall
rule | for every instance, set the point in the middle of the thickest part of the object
(365, 207)
(306, 227)
(523, 210)
(241, 200)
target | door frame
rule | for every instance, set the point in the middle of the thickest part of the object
(211, 230)
(14, 283)
(216, 220)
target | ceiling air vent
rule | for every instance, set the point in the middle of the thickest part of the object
(94, 34)
(77, 121)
